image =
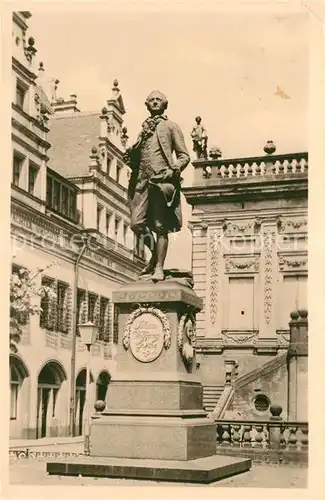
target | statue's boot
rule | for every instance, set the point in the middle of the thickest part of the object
(150, 267)
(158, 275)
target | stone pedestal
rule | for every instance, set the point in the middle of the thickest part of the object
(154, 426)
(154, 402)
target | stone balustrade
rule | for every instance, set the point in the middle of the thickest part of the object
(260, 166)
(258, 434)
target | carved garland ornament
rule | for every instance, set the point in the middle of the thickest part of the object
(268, 242)
(147, 310)
(287, 225)
(234, 229)
(241, 264)
(215, 244)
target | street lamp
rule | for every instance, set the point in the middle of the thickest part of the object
(88, 332)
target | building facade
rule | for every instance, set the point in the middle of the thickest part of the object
(249, 248)
(69, 217)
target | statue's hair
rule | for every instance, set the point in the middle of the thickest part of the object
(161, 95)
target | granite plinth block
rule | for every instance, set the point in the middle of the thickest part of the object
(202, 470)
(154, 395)
(153, 437)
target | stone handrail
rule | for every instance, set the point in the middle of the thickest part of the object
(256, 166)
(223, 402)
(267, 434)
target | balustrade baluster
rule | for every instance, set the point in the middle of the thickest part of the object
(219, 173)
(281, 168)
(258, 169)
(259, 436)
(292, 441)
(247, 438)
(299, 166)
(290, 167)
(242, 170)
(250, 170)
(283, 441)
(304, 438)
(226, 436)
(226, 172)
(236, 435)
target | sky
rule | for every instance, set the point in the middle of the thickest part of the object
(225, 67)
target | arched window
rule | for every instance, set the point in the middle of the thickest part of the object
(102, 385)
(18, 372)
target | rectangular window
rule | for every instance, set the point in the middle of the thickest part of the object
(125, 233)
(241, 303)
(57, 196)
(18, 161)
(47, 305)
(99, 215)
(92, 300)
(65, 200)
(118, 173)
(103, 329)
(62, 290)
(108, 165)
(108, 222)
(21, 92)
(116, 228)
(72, 205)
(32, 176)
(49, 192)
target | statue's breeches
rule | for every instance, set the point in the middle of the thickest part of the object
(152, 206)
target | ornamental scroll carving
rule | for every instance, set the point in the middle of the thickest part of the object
(241, 228)
(297, 225)
(215, 249)
(268, 245)
(186, 337)
(235, 264)
(146, 332)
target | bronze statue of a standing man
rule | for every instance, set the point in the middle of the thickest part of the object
(155, 182)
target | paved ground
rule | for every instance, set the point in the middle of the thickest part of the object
(33, 472)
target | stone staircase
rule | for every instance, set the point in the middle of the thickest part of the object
(211, 395)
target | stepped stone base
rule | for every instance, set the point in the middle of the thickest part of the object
(202, 470)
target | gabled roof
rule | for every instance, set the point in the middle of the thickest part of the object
(72, 138)
(118, 103)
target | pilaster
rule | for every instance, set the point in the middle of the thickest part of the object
(215, 273)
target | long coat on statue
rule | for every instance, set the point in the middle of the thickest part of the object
(171, 141)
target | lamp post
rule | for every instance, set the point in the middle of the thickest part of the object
(88, 332)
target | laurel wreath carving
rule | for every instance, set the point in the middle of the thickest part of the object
(151, 310)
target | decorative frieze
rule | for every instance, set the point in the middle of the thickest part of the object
(241, 228)
(235, 264)
(292, 225)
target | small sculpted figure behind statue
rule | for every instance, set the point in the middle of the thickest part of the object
(155, 182)
(200, 139)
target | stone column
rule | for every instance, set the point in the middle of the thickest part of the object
(298, 367)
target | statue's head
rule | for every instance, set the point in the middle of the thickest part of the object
(156, 102)
(198, 120)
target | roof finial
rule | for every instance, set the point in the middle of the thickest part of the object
(115, 89)
(41, 66)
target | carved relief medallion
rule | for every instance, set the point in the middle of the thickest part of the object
(146, 332)
(186, 337)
